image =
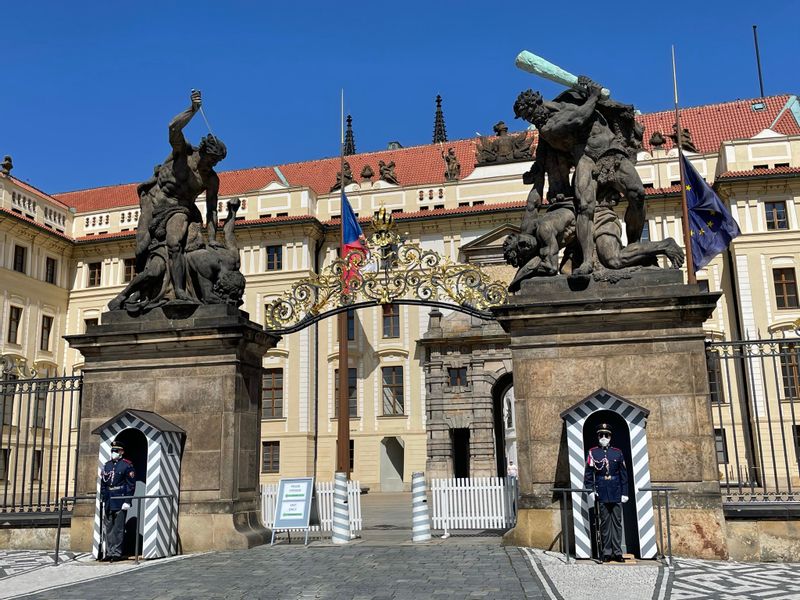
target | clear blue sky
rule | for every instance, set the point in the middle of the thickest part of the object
(89, 87)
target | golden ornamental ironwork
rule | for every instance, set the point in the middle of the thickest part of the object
(391, 270)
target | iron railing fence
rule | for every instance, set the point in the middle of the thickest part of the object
(39, 437)
(755, 406)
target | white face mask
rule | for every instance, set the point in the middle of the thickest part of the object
(604, 441)
(115, 455)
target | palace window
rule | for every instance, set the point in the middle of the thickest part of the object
(703, 283)
(272, 386)
(9, 386)
(50, 270)
(95, 270)
(270, 457)
(776, 215)
(274, 258)
(47, 326)
(40, 405)
(785, 288)
(4, 456)
(458, 376)
(391, 321)
(796, 439)
(36, 465)
(790, 370)
(129, 270)
(14, 318)
(715, 389)
(19, 258)
(646, 232)
(721, 445)
(393, 403)
(352, 392)
(88, 323)
(352, 453)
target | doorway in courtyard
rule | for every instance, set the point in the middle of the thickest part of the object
(504, 421)
(392, 459)
(460, 438)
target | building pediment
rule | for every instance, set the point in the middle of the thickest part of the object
(488, 248)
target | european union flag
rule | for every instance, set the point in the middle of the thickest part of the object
(711, 226)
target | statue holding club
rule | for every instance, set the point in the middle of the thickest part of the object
(170, 237)
(586, 151)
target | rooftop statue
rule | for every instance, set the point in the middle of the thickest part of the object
(387, 173)
(348, 177)
(504, 147)
(176, 261)
(686, 138)
(453, 170)
(587, 152)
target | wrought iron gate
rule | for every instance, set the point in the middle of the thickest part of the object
(755, 406)
(39, 440)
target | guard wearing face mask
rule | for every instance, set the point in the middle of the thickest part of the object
(607, 474)
(117, 479)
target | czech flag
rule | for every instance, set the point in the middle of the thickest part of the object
(353, 248)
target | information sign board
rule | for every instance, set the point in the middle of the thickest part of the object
(295, 506)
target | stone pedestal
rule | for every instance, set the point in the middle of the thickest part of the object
(640, 338)
(200, 368)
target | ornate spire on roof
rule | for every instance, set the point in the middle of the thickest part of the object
(439, 131)
(349, 140)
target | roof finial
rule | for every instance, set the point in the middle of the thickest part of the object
(6, 166)
(349, 140)
(439, 131)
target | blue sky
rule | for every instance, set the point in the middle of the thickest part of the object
(89, 87)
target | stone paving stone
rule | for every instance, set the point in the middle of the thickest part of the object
(354, 572)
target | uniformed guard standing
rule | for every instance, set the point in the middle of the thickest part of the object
(607, 474)
(117, 479)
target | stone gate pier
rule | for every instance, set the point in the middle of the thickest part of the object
(639, 339)
(199, 367)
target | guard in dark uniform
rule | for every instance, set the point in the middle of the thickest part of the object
(607, 474)
(117, 479)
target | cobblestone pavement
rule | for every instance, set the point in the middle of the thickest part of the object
(357, 572)
(584, 579)
(444, 569)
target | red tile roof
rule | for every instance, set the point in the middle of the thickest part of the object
(102, 198)
(415, 165)
(37, 192)
(712, 124)
(760, 172)
(665, 191)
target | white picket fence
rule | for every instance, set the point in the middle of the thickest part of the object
(324, 491)
(474, 503)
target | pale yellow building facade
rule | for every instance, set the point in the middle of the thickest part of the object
(77, 250)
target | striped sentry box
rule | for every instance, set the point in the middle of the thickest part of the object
(159, 516)
(341, 511)
(420, 517)
(636, 418)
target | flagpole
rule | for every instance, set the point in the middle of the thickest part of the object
(343, 437)
(687, 239)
